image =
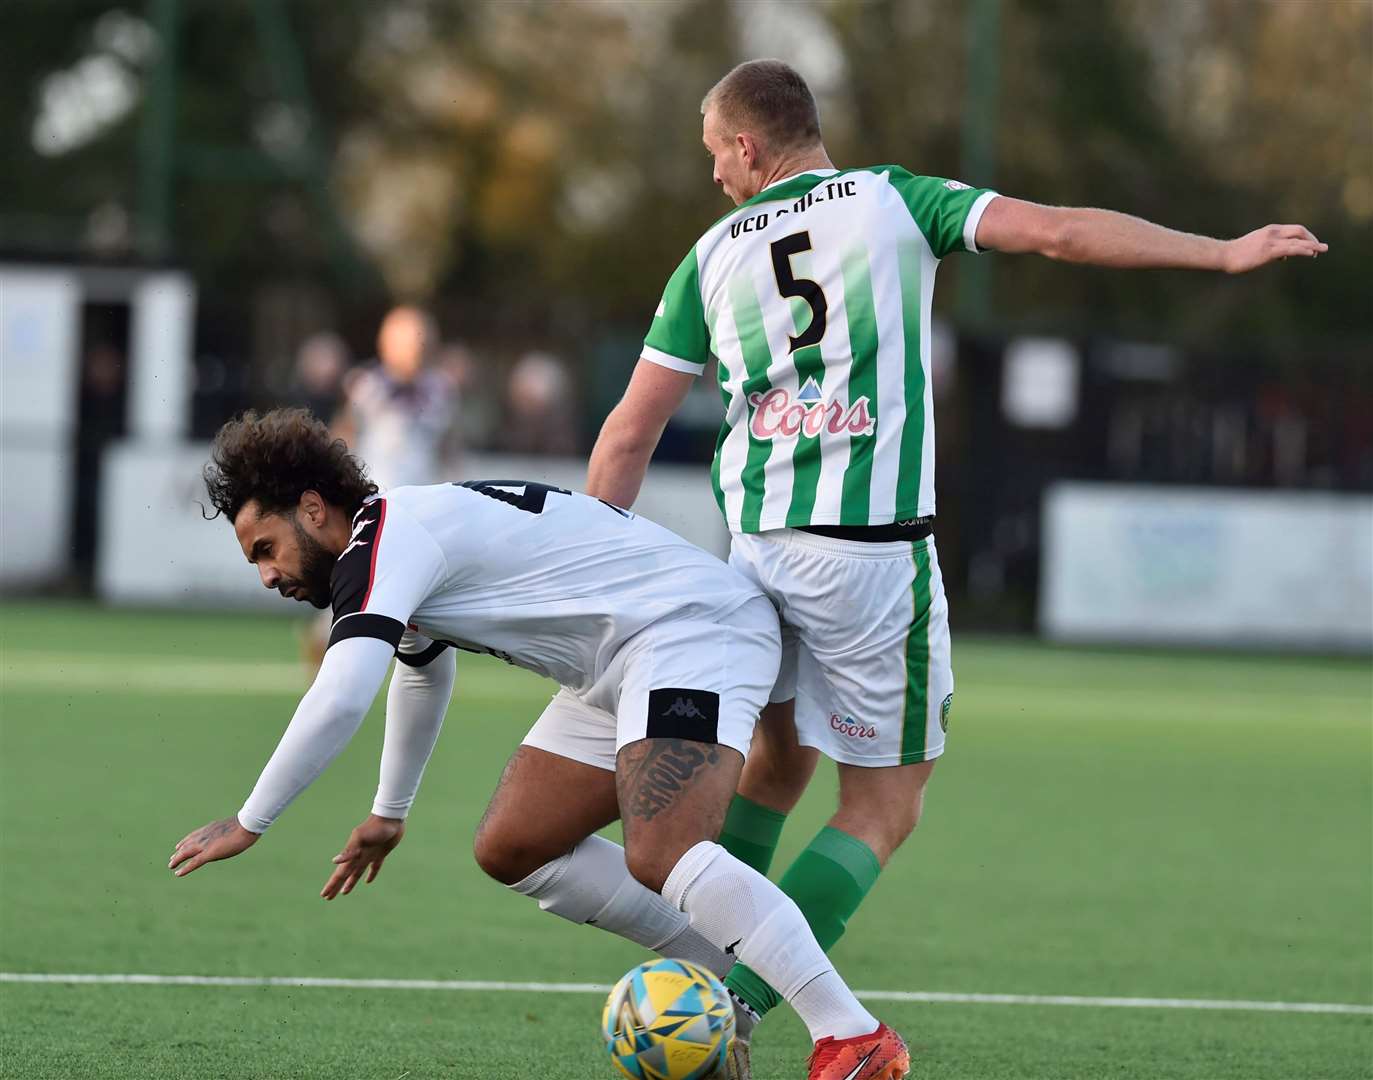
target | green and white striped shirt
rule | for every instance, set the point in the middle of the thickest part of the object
(815, 297)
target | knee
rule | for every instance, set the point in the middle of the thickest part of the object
(504, 856)
(884, 833)
(901, 822)
(777, 773)
(650, 866)
(898, 819)
(885, 811)
(786, 767)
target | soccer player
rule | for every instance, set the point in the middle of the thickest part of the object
(811, 301)
(661, 684)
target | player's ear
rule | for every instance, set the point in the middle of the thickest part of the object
(747, 146)
(312, 506)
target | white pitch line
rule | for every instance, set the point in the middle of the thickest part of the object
(304, 982)
(598, 988)
(1117, 1002)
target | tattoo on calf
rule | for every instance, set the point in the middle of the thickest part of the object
(668, 766)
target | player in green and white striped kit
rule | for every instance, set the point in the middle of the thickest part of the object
(812, 301)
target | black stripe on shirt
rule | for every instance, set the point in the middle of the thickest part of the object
(366, 625)
(355, 571)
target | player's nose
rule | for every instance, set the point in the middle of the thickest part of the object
(270, 575)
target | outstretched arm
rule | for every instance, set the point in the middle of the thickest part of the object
(632, 430)
(415, 708)
(1106, 238)
(327, 717)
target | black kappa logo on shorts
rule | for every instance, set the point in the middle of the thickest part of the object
(675, 713)
(684, 707)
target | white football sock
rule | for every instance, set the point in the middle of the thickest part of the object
(829, 996)
(742, 912)
(592, 885)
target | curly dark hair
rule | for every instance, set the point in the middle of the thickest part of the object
(277, 456)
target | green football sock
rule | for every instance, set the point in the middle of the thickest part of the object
(751, 832)
(828, 881)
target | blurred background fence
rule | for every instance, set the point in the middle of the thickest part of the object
(211, 206)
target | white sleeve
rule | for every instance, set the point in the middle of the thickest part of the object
(974, 218)
(328, 716)
(391, 564)
(415, 707)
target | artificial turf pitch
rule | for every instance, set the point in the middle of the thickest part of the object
(1105, 824)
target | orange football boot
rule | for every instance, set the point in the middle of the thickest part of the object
(879, 1056)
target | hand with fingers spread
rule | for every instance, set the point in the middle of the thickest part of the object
(366, 850)
(218, 840)
(1268, 244)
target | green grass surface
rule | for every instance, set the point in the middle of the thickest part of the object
(1105, 823)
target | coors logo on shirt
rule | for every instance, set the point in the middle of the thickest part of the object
(777, 414)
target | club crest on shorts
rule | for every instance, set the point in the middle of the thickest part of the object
(944, 711)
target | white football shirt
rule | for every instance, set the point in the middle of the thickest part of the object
(550, 580)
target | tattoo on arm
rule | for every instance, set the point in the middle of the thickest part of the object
(652, 784)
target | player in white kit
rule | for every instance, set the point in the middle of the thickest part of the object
(661, 689)
(810, 302)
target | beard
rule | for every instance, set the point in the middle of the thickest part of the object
(316, 570)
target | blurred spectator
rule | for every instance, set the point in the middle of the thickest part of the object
(317, 384)
(397, 412)
(477, 414)
(540, 415)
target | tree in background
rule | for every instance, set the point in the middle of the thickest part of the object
(538, 164)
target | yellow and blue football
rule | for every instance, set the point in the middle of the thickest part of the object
(668, 1020)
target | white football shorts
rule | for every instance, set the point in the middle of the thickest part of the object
(865, 642)
(704, 681)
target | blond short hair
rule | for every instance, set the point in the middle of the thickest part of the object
(767, 98)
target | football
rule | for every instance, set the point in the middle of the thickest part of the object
(668, 1020)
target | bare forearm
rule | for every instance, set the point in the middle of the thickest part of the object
(619, 460)
(1108, 238)
(631, 432)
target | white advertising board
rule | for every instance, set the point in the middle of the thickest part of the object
(1162, 565)
(155, 545)
(39, 323)
(39, 317)
(40, 361)
(156, 548)
(35, 508)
